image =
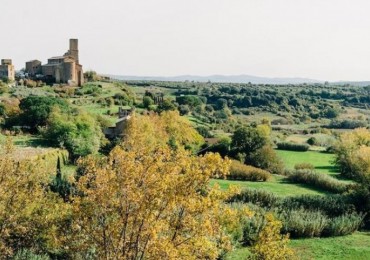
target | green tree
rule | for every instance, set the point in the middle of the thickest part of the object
(166, 105)
(147, 101)
(78, 132)
(247, 140)
(36, 110)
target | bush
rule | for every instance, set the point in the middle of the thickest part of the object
(302, 223)
(204, 131)
(347, 124)
(239, 171)
(222, 146)
(293, 147)
(331, 205)
(271, 244)
(301, 166)
(257, 197)
(343, 225)
(312, 141)
(267, 159)
(361, 199)
(318, 180)
(253, 226)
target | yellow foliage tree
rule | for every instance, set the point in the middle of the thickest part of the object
(29, 214)
(348, 158)
(168, 128)
(149, 200)
(271, 245)
(156, 205)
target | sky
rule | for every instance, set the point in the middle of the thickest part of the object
(318, 39)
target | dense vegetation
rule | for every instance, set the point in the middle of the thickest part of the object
(148, 194)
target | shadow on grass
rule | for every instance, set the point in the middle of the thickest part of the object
(34, 142)
(302, 185)
(330, 168)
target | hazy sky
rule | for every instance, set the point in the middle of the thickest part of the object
(321, 39)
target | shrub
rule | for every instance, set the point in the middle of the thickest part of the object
(331, 205)
(261, 198)
(347, 124)
(253, 226)
(312, 141)
(343, 225)
(239, 171)
(303, 223)
(318, 180)
(293, 147)
(361, 199)
(271, 244)
(204, 131)
(222, 146)
(267, 159)
(301, 166)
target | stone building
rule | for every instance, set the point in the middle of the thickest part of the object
(33, 67)
(117, 131)
(7, 69)
(60, 69)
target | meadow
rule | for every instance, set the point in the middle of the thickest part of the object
(323, 162)
(355, 246)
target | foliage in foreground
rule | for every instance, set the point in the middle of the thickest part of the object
(157, 205)
(29, 214)
(271, 245)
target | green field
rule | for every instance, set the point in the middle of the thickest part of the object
(323, 162)
(277, 185)
(355, 246)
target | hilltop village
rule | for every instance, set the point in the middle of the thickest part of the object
(64, 69)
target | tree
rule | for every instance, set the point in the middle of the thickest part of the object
(36, 110)
(29, 215)
(78, 132)
(353, 159)
(149, 202)
(166, 128)
(91, 76)
(331, 112)
(247, 140)
(147, 101)
(166, 105)
(346, 148)
(222, 146)
(184, 109)
(267, 159)
(221, 104)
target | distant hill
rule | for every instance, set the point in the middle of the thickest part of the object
(222, 79)
(352, 83)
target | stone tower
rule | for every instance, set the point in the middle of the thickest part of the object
(73, 49)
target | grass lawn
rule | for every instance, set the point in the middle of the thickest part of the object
(355, 246)
(277, 185)
(323, 162)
